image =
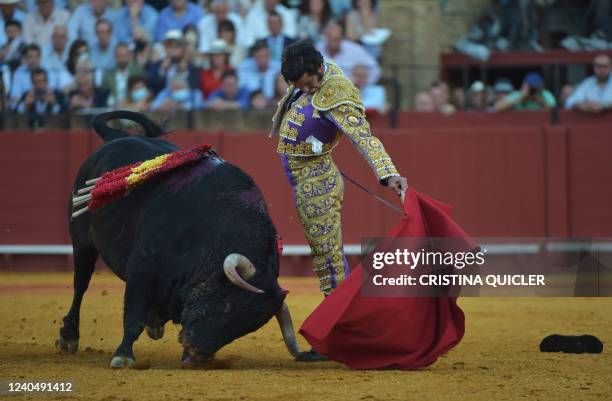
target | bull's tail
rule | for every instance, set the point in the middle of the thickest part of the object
(99, 124)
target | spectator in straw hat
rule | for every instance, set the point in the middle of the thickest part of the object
(176, 62)
(218, 60)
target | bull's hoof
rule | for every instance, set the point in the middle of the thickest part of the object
(67, 346)
(155, 333)
(311, 356)
(195, 362)
(572, 344)
(119, 362)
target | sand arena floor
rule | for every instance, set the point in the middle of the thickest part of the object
(497, 360)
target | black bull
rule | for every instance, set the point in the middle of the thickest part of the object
(185, 244)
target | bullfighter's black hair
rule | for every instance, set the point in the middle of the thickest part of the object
(300, 58)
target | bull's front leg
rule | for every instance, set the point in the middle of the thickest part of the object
(136, 301)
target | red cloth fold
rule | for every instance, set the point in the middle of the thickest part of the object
(395, 333)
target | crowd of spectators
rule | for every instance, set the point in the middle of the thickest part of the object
(175, 55)
(592, 95)
(169, 55)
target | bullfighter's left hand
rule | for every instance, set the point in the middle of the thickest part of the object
(399, 184)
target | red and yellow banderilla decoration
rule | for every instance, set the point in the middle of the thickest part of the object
(117, 183)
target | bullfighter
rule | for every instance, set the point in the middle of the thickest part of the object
(320, 106)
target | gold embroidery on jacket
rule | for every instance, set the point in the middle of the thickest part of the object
(296, 117)
(354, 125)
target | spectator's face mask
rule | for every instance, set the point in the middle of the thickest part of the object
(140, 94)
(181, 95)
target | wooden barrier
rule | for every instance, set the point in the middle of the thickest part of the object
(503, 180)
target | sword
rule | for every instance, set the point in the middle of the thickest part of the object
(378, 198)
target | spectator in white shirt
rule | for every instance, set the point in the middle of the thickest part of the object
(56, 52)
(594, 94)
(30, 5)
(21, 80)
(103, 50)
(374, 97)
(133, 18)
(347, 54)
(362, 26)
(259, 71)
(54, 58)
(41, 100)
(340, 7)
(208, 27)
(82, 24)
(256, 21)
(38, 26)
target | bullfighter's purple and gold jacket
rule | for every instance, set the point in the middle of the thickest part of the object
(312, 124)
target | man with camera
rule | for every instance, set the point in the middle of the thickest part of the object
(532, 96)
(40, 101)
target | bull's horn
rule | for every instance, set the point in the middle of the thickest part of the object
(238, 269)
(286, 325)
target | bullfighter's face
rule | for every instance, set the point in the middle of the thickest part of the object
(309, 83)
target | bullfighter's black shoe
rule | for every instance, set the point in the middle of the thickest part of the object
(585, 344)
(311, 356)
